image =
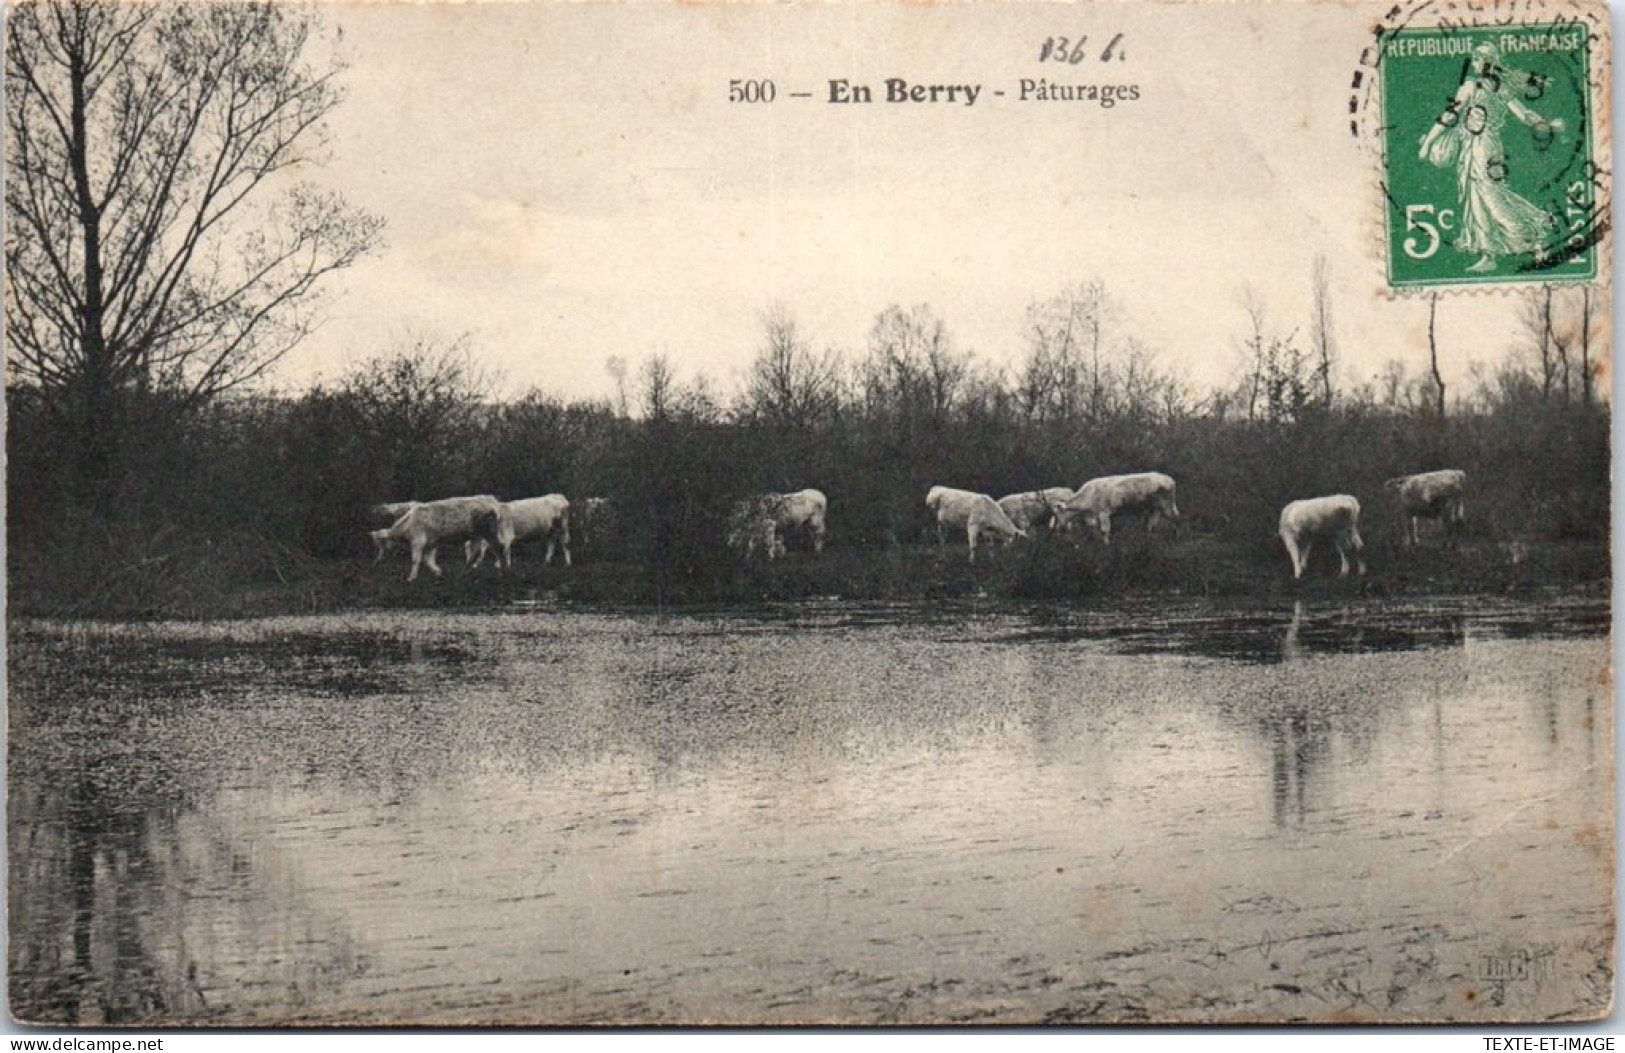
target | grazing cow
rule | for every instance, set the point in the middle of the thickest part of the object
(978, 515)
(434, 523)
(390, 513)
(540, 517)
(802, 512)
(1030, 508)
(1335, 518)
(765, 521)
(1432, 495)
(1098, 501)
(753, 524)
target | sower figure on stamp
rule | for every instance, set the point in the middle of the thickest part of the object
(1495, 221)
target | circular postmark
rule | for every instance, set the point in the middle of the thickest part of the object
(1482, 119)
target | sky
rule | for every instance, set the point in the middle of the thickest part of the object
(569, 182)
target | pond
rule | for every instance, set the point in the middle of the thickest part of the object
(1334, 811)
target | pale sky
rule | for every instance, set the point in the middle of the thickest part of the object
(568, 182)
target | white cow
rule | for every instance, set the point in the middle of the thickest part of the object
(1098, 501)
(802, 512)
(752, 525)
(1437, 495)
(1032, 507)
(766, 520)
(434, 523)
(391, 512)
(978, 515)
(1335, 518)
(533, 517)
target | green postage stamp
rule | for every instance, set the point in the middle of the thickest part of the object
(1487, 155)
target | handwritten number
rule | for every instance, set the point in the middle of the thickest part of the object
(1070, 50)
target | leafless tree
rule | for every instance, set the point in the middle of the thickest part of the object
(1536, 318)
(1256, 349)
(154, 240)
(1587, 380)
(660, 392)
(1067, 370)
(1433, 357)
(1321, 331)
(913, 368)
(790, 385)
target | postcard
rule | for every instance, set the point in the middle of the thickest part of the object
(649, 514)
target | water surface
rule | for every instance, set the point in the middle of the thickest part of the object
(816, 813)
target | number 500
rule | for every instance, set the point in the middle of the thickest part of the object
(751, 91)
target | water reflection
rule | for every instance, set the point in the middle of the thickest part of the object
(591, 818)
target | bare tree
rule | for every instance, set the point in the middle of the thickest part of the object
(1067, 367)
(913, 368)
(1536, 318)
(659, 387)
(790, 386)
(1587, 392)
(1321, 331)
(1433, 357)
(1256, 349)
(147, 246)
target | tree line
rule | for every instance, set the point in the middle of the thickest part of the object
(163, 255)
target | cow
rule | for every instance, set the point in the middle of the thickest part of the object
(766, 520)
(1437, 495)
(1099, 501)
(978, 515)
(802, 512)
(1032, 507)
(390, 513)
(434, 523)
(533, 517)
(753, 524)
(1335, 518)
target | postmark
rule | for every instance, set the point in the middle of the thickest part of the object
(1491, 151)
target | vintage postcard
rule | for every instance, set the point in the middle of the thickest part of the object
(808, 513)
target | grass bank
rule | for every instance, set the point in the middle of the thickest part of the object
(249, 578)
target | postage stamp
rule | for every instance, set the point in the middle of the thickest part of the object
(1488, 155)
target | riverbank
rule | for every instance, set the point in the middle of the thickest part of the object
(247, 580)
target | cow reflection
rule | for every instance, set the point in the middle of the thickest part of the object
(1298, 738)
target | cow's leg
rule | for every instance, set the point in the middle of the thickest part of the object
(971, 533)
(942, 535)
(818, 538)
(1343, 569)
(1104, 522)
(433, 560)
(417, 559)
(1304, 548)
(1358, 546)
(564, 546)
(1291, 544)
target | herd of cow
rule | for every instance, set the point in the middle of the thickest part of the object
(763, 523)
